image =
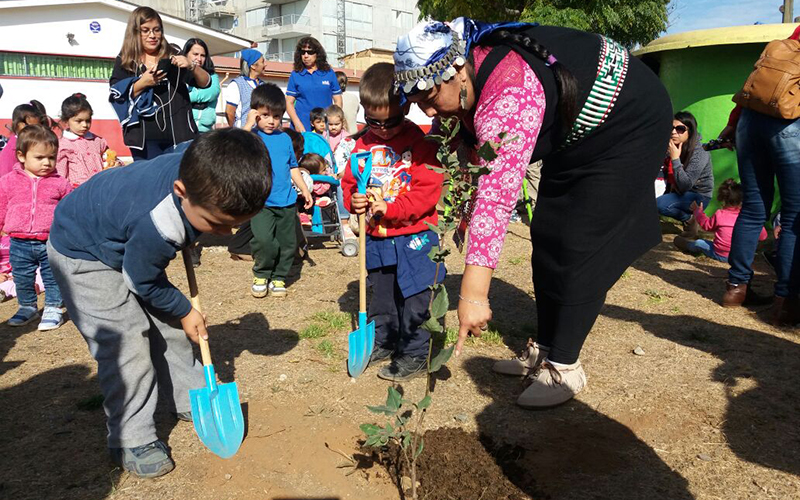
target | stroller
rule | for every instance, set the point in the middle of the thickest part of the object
(327, 223)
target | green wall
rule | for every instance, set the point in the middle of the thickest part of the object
(702, 81)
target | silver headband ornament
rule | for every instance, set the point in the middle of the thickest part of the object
(427, 76)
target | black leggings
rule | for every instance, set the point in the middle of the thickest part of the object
(564, 328)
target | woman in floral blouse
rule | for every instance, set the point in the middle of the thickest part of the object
(599, 118)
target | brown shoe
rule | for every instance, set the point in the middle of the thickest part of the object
(690, 228)
(734, 294)
(785, 311)
(681, 243)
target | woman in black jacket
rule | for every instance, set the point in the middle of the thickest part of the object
(149, 88)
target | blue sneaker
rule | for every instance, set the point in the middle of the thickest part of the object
(148, 461)
(52, 318)
(24, 315)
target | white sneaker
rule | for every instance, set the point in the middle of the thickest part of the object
(552, 386)
(528, 360)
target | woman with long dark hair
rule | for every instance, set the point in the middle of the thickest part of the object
(149, 88)
(599, 118)
(690, 175)
(312, 84)
(204, 100)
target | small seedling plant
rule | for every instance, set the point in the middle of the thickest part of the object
(404, 424)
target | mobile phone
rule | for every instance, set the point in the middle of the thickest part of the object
(164, 65)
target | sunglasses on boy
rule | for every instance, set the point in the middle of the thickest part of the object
(390, 122)
(308, 52)
(680, 129)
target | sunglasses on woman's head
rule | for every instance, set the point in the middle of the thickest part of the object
(308, 52)
(390, 122)
(680, 128)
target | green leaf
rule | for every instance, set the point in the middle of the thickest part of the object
(394, 400)
(433, 325)
(488, 151)
(440, 359)
(440, 305)
(369, 429)
(389, 430)
(406, 440)
(373, 440)
(400, 421)
(421, 447)
(433, 228)
(426, 402)
(433, 253)
(438, 170)
(385, 410)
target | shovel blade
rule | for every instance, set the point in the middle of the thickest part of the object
(217, 416)
(359, 346)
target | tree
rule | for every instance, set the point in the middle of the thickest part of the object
(627, 21)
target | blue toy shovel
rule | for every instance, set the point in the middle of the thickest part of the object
(216, 410)
(360, 341)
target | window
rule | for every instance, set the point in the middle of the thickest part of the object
(403, 20)
(357, 44)
(297, 8)
(329, 44)
(81, 68)
(358, 16)
(329, 14)
(255, 17)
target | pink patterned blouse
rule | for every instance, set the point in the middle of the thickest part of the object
(512, 101)
(80, 157)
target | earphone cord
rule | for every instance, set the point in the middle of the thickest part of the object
(163, 104)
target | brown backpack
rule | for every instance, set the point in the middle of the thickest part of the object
(773, 88)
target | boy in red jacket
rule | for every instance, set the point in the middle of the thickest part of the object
(402, 197)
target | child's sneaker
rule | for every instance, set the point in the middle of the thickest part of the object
(52, 318)
(277, 288)
(404, 368)
(379, 354)
(549, 385)
(24, 315)
(259, 288)
(148, 461)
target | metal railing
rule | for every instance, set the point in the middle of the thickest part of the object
(280, 57)
(287, 20)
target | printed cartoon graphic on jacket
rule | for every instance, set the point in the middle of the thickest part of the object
(391, 177)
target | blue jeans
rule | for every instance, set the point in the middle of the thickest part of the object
(706, 248)
(767, 148)
(25, 257)
(678, 206)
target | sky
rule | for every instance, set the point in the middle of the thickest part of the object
(691, 15)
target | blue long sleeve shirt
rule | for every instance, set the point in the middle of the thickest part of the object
(129, 219)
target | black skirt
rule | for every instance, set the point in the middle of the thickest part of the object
(596, 211)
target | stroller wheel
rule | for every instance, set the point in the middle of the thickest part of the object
(350, 248)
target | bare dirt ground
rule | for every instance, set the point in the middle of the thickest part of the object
(710, 410)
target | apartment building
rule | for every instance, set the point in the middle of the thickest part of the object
(342, 26)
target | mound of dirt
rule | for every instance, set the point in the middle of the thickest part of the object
(456, 465)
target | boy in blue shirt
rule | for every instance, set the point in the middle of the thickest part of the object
(110, 244)
(274, 238)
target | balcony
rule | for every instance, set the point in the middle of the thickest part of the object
(280, 57)
(217, 8)
(290, 25)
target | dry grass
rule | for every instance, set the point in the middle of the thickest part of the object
(711, 410)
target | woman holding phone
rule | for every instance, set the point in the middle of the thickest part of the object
(149, 88)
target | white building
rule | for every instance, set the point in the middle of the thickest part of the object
(50, 49)
(277, 25)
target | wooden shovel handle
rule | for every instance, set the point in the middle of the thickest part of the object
(362, 264)
(194, 295)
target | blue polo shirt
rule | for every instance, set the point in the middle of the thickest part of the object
(281, 154)
(312, 90)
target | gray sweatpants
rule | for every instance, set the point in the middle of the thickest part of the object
(138, 354)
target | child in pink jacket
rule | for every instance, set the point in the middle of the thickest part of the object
(729, 194)
(28, 198)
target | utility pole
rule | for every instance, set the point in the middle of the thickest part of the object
(788, 11)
